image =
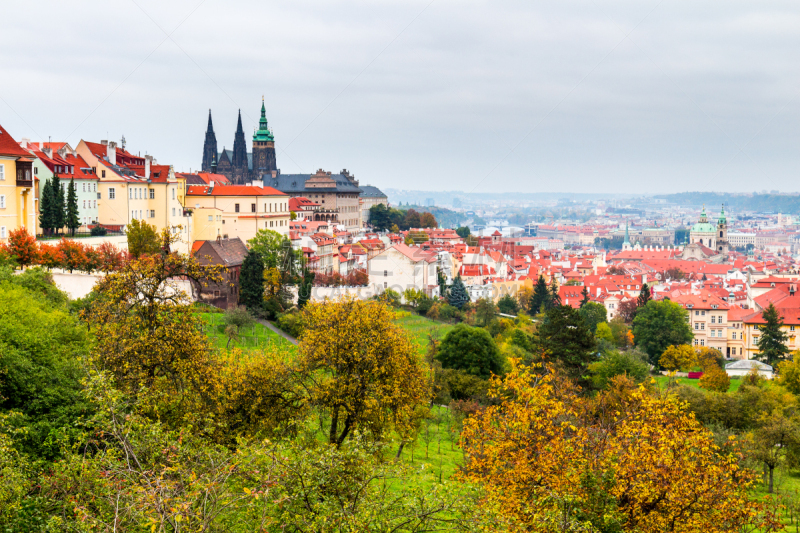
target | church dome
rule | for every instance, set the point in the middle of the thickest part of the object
(703, 227)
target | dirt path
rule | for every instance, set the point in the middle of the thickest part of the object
(277, 330)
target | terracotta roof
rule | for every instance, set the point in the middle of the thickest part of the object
(231, 251)
(232, 190)
(10, 147)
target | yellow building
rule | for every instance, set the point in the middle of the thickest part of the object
(133, 187)
(235, 211)
(736, 332)
(18, 193)
(752, 331)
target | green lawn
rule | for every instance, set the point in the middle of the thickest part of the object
(420, 328)
(257, 336)
(663, 380)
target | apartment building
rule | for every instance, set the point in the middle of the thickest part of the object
(708, 318)
(18, 188)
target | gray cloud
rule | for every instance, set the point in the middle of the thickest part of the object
(490, 96)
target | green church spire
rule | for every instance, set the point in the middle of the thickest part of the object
(263, 134)
(722, 219)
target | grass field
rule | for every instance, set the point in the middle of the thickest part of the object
(663, 380)
(419, 328)
(257, 336)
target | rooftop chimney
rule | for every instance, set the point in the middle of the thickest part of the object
(24, 142)
(112, 153)
(48, 152)
(148, 160)
(104, 142)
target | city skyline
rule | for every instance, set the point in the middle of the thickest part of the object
(639, 99)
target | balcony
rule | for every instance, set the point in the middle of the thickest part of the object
(25, 173)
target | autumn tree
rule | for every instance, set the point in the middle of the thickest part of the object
(22, 246)
(627, 310)
(551, 461)
(149, 338)
(427, 220)
(681, 357)
(524, 296)
(143, 239)
(485, 311)
(772, 341)
(715, 379)
(365, 373)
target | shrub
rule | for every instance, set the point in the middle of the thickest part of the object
(715, 379)
(617, 363)
(472, 350)
(291, 323)
(98, 231)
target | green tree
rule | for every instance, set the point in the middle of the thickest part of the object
(72, 221)
(235, 319)
(142, 239)
(472, 350)
(269, 245)
(59, 207)
(659, 325)
(541, 296)
(46, 208)
(463, 232)
(508, 305)
(304, 290)
(457, 295)
(485, 311)
(603, 332)
(251, 282)
(772, 341)
(593, 314)
(585, 294)
(563, 337)
(554, 299)
(644, 296)
(379, 217)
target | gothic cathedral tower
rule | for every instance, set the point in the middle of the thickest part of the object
(241, 170)
(722, 232)
(209, 146)
(264, 162)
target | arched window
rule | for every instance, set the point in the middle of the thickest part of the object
(720, 234)
(701, 241)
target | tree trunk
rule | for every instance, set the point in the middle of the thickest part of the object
(334, 423)
(399, 450)
(771, 471)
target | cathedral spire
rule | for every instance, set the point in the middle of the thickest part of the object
(209, 146)
(239, 124)
(239, 162)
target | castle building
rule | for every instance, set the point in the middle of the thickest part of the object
(239, 165)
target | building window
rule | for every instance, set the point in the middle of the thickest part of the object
(173, 193)
(791, 328)
(702, 325)
(697, 313)
(695, 342)
(714, 319)
(102, 173)
(84, 185)
(696, 325)
(211, 218)
(713, 333)
(702, 342)
(35, 171)
(236, 207)
(152, 194)
(385, 285)
(385, 273)
(111, 193)
(94, 187)
(84, 204)
(152, 213)
(2, 201)
(703, 313)
(252, 208)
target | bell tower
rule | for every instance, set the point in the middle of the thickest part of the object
(722, 232)
(264, 162)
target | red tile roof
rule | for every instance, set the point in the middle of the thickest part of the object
(10, 147)
(232, 190)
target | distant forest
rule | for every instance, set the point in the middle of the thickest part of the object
(776, 203)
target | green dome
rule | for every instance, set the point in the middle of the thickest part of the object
(263, 134)
(703, 227)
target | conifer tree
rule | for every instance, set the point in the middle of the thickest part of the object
(644, 296)
(251, 282)
(46, 208)
(772, 342)
(555, 299)
(585, 294)
(72, 221)
(59, 213)
(458, 294)
(304, 292)
(541, 296)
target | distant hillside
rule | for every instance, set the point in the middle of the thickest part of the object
(776, 203)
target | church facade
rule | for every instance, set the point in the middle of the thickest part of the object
(239, 165)
(708, 242)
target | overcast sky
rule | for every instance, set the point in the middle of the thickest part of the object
(621, 96)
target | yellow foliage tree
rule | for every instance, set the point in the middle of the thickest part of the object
(789, 373)
(148, 336)
(524, 295)
(715, 379)
(364, 372)
(708, 357)
(628, 460)
(681, 357)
